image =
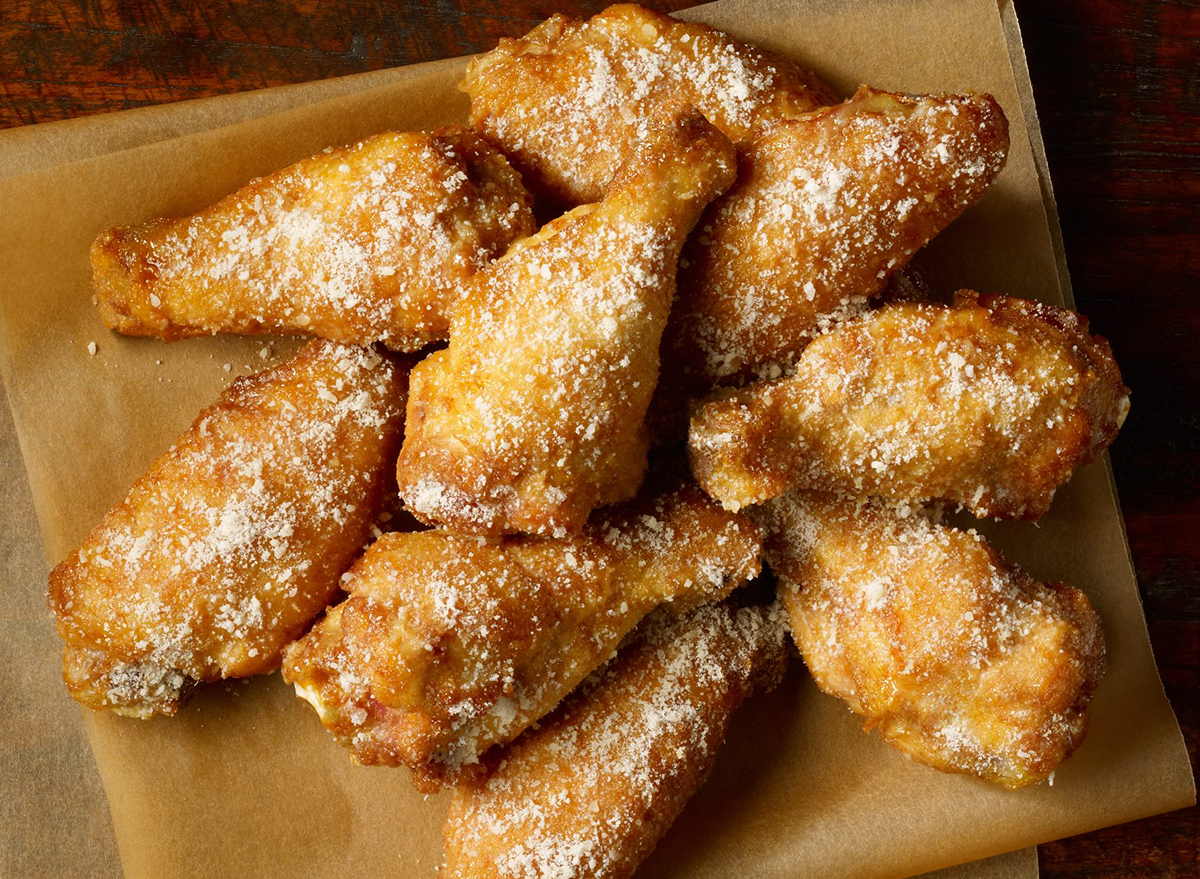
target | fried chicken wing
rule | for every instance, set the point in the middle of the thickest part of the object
(591, 791)
(534, 415)
(450, 644)
(990, 403)
(962, 662)
(234, 539)
(367, 243)
(568, 101)
(824, 212)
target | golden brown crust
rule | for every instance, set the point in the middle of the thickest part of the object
(825, 210)
(234, 539)
(366, 243)
(450, 644)
(534, 415)
(990, 403)
(568, 101)
(591, 792)
(962, 662)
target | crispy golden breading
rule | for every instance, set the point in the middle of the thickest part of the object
(450, 644)
(367, 243)
(990, 403)
(591, 791)
(825, 210)
(963, 662)
(667, 417)
(568, 101)
(234, 539)
(534, 415)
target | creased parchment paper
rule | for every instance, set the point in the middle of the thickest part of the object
(245, 783)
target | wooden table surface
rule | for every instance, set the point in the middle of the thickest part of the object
(1118, 91)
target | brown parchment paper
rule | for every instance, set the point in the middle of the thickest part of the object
(54, 143)
(244, 782)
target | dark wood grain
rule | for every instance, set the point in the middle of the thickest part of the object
(1118, 90)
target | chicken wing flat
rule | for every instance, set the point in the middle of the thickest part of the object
(534, 415)
(963, 662)
(990, 403)
(367, 243)
(591, 791)
(450, 644)
(234, 539)
(568, 101)
(825, 211)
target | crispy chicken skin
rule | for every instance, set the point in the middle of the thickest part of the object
(366, 243)
(534, 415)
(962, 662)
(233, 541)
(824, 212)
(568, 101)
(990, 403)
(449, 644)
(591, 791)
